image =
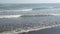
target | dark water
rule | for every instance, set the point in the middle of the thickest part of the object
(46, 15)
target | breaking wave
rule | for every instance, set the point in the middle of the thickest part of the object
(16, 10)
(28, 30)
(28, 15)
(10, 16)
(27, 9)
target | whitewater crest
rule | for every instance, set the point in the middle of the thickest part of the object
(10, 16)
(28, 15)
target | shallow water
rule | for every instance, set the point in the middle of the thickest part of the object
(34, 17)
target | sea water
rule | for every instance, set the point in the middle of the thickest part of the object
(19, 18)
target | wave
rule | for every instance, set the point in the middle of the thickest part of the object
(27, 9)
(16, 10)
(35, 15)
(10, 16)
(32, 29)
(28, 15)
(36, 29)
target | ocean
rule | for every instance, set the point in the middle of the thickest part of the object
(43, 18)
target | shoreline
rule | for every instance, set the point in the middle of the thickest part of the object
(43, 31)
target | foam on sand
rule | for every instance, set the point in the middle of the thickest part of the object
(36, 29)
(32, 29)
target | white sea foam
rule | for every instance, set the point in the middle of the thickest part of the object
(32, 29)
(36, 29)
(10, 16)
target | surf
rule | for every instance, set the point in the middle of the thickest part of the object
(28, 15)
(32, 29)
(35, 15)
(36, 29)
(13, 10)
(10, 16)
